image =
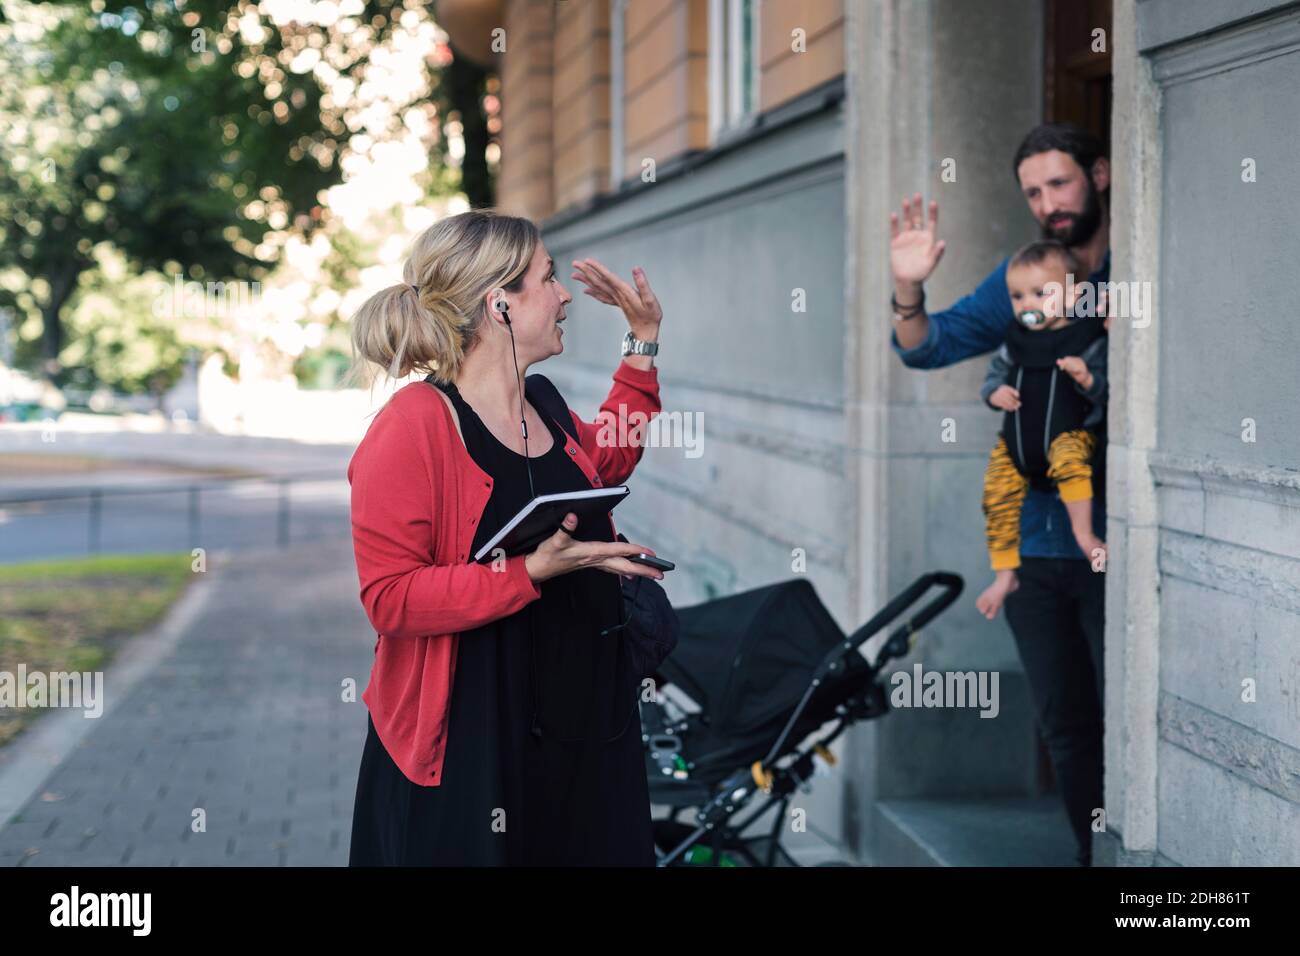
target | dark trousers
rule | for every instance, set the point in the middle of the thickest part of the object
(1057, 617)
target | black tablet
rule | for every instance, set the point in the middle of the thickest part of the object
(540, 518)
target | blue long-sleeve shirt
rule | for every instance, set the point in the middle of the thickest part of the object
(975, 325)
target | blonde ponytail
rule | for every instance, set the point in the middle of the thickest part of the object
(453, 264)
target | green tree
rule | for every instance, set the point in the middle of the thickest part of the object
(186, 134)
(116, 336)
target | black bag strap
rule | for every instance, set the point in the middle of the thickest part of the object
(546, 398)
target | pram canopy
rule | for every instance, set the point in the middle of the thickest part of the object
(748, 658)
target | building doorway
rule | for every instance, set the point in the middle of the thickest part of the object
(1077, 88)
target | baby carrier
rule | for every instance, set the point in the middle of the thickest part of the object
(1049, 402)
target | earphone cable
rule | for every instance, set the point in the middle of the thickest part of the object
(532, 617)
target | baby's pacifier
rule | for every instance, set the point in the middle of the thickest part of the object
(1032, 318)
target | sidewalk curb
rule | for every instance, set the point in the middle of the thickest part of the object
(29, 761)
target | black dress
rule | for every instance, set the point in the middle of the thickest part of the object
(544, 763)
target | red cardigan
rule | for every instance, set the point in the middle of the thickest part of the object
(417, 496)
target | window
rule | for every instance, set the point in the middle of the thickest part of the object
(733, 65)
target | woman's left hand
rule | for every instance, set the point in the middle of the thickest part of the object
(639, 304)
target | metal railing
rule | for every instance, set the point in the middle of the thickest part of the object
(96, 496)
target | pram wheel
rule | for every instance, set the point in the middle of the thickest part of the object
(734, 851)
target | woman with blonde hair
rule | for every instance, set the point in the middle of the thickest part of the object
(504, 721)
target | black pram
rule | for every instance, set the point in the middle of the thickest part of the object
(767, 669)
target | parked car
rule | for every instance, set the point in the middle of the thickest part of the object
(26, 412)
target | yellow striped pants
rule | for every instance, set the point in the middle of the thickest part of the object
(1068, 459)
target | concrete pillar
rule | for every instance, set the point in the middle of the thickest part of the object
(917, 95)
(1132, 579)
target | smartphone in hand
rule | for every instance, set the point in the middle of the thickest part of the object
(652, 561)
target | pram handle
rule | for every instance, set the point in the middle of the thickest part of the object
(896, 646)
(952, 585)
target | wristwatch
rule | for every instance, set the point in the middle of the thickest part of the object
(634, 346)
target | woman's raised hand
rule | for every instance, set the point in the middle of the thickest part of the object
(640, 306)
(562, 553)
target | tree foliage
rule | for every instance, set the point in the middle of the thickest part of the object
(187, 135)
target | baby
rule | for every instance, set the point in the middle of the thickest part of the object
(1050, 379)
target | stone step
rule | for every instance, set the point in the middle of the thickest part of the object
(988, 831)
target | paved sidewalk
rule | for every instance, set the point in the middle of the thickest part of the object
(233, 707)
(242, 718)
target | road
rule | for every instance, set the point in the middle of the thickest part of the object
(225, 514)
